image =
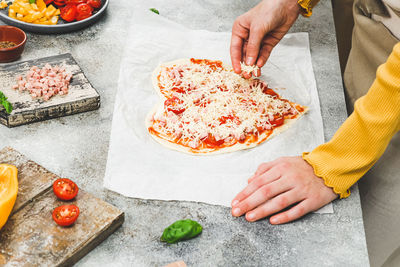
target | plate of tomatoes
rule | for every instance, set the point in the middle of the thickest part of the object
(53, 16)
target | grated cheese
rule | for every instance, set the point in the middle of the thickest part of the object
(216, 101)
(249, 69)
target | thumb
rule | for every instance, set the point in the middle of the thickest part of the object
(253, 46)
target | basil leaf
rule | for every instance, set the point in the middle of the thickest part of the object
(155, 11)
(7, 105)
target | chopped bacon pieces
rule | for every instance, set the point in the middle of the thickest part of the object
(45, 82)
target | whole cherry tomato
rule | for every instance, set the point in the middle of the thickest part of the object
(65, 215)
(65, 189)
(94, 3)
(84, 11)
(48, 2)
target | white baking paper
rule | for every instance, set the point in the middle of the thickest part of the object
(140, 167)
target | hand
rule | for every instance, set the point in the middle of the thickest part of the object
(279, 184)
(255, 33)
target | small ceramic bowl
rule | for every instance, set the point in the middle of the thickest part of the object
(15, 35)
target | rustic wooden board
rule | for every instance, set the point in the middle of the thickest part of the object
(31, 237)
(81, 96)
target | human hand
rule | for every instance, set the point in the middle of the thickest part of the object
(279, 184)
(255, 33)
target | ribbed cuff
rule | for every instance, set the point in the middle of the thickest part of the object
(318, 172)
(307, 6)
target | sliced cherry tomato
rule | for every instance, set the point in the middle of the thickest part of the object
(210, 141)
(94, 3)
(84, 11)
(65, 189)
(65, 215)
(68, 13)
(74, 2)
(174, 104)
(278, 121)
(48, 2)
(59, 2)
(180, 90)
(269, 91)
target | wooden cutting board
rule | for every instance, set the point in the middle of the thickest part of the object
(31, 237)
(81, 96)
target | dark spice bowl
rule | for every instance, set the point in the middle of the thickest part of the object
(15, 35)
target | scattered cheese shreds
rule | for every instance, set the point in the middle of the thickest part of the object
(215, 101)
(249, 69)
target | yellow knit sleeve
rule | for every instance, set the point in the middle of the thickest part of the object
(307, 6)
(364, 136)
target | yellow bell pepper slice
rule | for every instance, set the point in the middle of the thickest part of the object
(41, 5)
(8, 191)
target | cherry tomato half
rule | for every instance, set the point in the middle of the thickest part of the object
(269, 91)
(94, 3)
(68, 13)
(74, 2)
(48, 2)
(65, 189)
(59, 2)
(278, 121)
(174, 104)
(84, 11)
(210, 141)
(65, 215)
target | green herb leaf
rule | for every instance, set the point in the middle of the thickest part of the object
(32, 1)
(7, 105)
(181, 230)
(155, 11)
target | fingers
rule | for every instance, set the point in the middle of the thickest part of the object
(269, 42)
(258, 182)
(236, 52)
(240, 33)
(275, 205)
(261, 180)
(294, 213)
(253, 46)
(262, 195)
(261, 169)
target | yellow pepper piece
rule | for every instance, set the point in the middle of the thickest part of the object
(41, 5)
(8, 191)
(3, 4)
(36, 13)
(51, 10)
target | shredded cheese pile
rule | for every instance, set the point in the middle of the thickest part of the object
(249, 69)
(214, 100)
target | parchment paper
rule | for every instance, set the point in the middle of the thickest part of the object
(140, 167)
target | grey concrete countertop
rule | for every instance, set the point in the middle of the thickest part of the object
(77, 146)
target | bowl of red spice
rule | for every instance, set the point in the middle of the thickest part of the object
(12, 43)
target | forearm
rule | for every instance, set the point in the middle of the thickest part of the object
(364, 136)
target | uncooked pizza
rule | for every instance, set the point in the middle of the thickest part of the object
(206, 108)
